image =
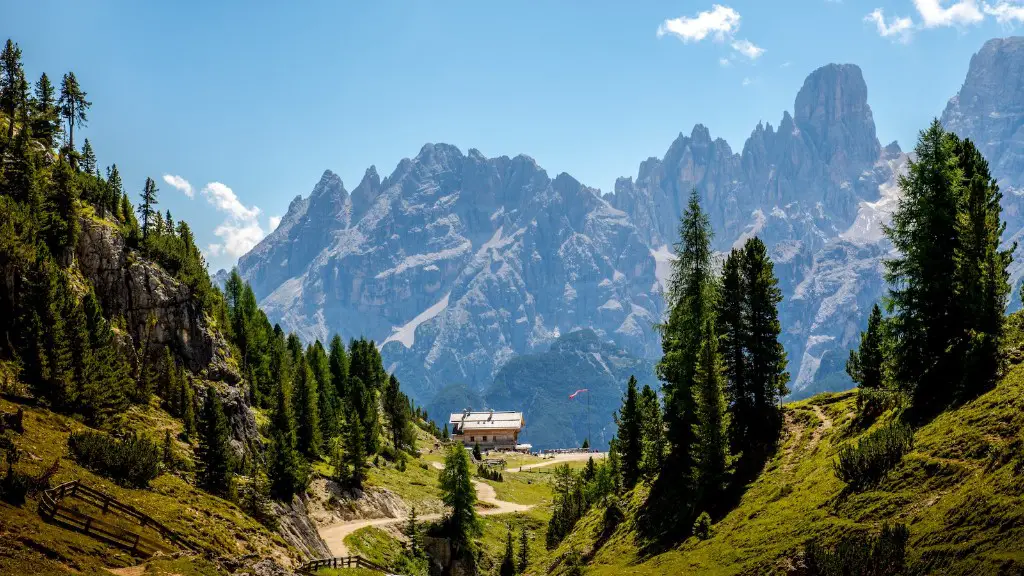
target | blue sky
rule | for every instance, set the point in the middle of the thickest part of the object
(249, 101)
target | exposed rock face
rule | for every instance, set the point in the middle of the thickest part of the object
(812, 190)
(989, 109)
(128, 285)
(457, 262)
(298, 530)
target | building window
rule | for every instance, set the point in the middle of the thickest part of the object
(485, 438)
(472, 439)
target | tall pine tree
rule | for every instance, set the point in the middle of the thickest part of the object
(865, 364)
(215, 455)
(712, 443)
(630, 443)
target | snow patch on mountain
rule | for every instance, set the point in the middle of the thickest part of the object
(407, 334)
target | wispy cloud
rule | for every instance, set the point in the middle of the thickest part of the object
(1006, 12)
(180, 183)
(898, 28)
(720, 23)
(748, 49)
(241, 230)
(724, 62)
(748, 81)
(934, 14)
(275, 221)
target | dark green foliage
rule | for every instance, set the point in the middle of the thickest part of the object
(339, 366)
(444, 433)
(865, 364)
(765, 374)
(147, 209)
(702, 526)
(574, 494)
(215, 454)
(12, 79)
(735, 334)
(458, 494)
(14, 485)
(867, 463)
(476, 452)
(412, 532)
(508, 562)
(131, 461)
(355, 450)
(73, 107)
(288, 473)
(524, 550)
(860, 555)
(630, 440)
(712, 444)
(396, 407)
(255, 499)
(652, 431)
(305, 404)
(45, 120)
(488, 473)
(948, 286)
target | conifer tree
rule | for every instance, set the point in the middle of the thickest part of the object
(62, 217)
(731, 322)
(146, 209)
(766, 372)
(215, 455)
(629, 434)
(188, 411)
(103, 392)
(459, 496)
(396, 407)
(444, 432)
(691, 300)
(73, 106)
(306, 409)
(339, 366)
(45, 120)
(923, 303)
(328, 403)
(287, 471)
(652, 432)
(11, 79)
(524, 550)
(88, 162)
(355, 451)
(508, 563)
(865, 364)
(412, 532)
(711, 448)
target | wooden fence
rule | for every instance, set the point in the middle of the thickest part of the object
(52, 509)
(340, 562)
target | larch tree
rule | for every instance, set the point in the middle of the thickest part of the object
(630, 442)
(147, 208)
(73, 106)
(865, 364)
(459, 496)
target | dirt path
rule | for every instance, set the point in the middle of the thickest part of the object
(795, 432)
(826, 424)
(334, 535)
(559, 458)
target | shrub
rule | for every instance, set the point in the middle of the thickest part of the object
(867, 463)
(881, 555)
(702, 526)
(130, 461)
(485, 472)
(872, 403)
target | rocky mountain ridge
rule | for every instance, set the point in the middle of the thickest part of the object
(457, 263)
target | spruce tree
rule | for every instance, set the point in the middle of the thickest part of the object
(146, 209)
(104, 392)
(652, 432)
(396, 407)
(444, 432)
(306, 409)
(922, 296)
(459, 496)
(524, 550)
(11, 77)
(355, 452)
(629, 435)
(711, 448)
(412, 532)
(88, 162)
(45, 119)
(72, 106)
(188, 412)
(508, 563)
(766, 374)
(690, 299)
(287, 471)
(338, 365)
(328, 403)
(62, 214)
(215, 455)
(865, 364)
(731, 322)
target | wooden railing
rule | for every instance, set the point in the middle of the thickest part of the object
(52, 509)
(340, 562)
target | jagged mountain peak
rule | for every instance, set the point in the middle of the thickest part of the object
(832, 109)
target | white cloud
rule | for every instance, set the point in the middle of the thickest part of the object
(179, 183)
(962, 12)
(724, 62)
(900, 28)
(1006, 12)
(225, 200)
(241, 230)
(748, 49)
(275, 221)
(721, 21)
(785, 64)
(747, 82)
